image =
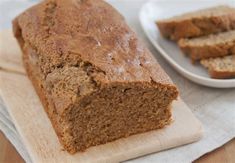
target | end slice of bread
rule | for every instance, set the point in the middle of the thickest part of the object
(221, 67)
(212, 46)
(198, 23)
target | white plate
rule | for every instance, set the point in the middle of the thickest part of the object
(159, 9)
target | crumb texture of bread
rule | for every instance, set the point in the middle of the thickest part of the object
(198, 23)
(211, 46)
(222, 67)
(96, 80)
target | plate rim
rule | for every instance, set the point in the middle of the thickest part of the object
(217, 83)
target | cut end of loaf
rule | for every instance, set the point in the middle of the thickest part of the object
(116, 111)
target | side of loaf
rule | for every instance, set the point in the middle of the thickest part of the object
(198, 23)
(216, 45)
(96, 80)
(221, 67)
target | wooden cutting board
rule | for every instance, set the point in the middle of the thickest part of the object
(40, 139)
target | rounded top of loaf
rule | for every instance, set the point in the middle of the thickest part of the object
(92, 33)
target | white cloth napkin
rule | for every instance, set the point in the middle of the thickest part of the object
(215, 108)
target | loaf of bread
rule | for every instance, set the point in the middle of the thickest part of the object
(96, 80)
(215, 45)
(198, 23)
(220, 68)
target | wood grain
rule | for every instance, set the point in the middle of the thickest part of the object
(224, 154)
(8, 153)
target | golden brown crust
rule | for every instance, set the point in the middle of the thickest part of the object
(196, 27)
(119, 55)
(101, 33)
(96, 80)
(42, 95)
(221, 75)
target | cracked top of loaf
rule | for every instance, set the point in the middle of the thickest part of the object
(89, 32)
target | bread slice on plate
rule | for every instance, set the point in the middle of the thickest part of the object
(220, 68)
(211, 46)
(198, 23)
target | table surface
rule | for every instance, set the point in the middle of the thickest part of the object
(224, 154)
